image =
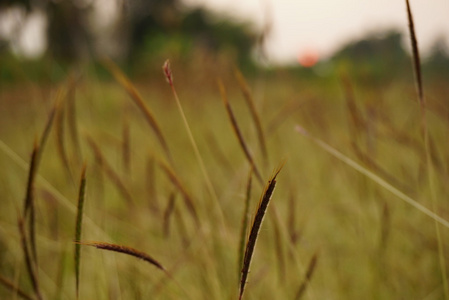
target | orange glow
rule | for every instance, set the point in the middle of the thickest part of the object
(308, 58)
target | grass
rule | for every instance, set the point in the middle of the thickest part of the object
(358, 210)
(369, 242)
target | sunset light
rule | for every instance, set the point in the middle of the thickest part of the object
(308, 58)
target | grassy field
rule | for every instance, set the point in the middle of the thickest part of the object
(180, 175)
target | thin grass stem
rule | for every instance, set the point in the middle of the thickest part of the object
(254, 113)
(169, 76)
(11, 286)
(78, 227)
(309, 273)
(255, 228)
(138, 100)
(238, 132)
(359, 168)
(245, 218)
(425, 132)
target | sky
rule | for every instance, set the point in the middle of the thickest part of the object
(299, 27)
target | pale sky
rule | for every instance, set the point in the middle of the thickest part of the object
(324, 25)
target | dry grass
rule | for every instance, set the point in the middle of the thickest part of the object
(11, 286)
(138, 100)
(125, 250)
(109, 171)
(307, 277)
(78, 227)
(188, 200)
(370, 245)
(238, 132)
(29, 263)
(426, 141)
(247, 95)
(244, 226)
(255, 228)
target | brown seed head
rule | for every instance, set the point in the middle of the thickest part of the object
(167, 72)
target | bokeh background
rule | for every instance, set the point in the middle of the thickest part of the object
(293, 33)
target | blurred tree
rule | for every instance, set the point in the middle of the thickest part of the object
(166, 28)
(379, 55)
(136, 29)
(68, 32)
(437, 64)
(386, 44)
(219, 34)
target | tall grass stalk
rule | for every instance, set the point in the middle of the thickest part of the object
(138, 100)
(45, 184)
(254, 114)
(30, 266)
(60, 133)
(255, 228)
(188, 200)
(78, 227)
(244, 228)
(126, 145)
(168, 212)
(11, 286)
(73, 125)
(29, 196)
(278, 245)
(151, 184)
(125, 250)
(169, 76)
(135, 253)
(359, 168)
(29, 206)
(238, 132)
(425, 132)
(309, 273)
(112, 175)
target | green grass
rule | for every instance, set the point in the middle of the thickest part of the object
(366, 241)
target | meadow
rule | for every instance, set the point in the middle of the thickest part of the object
(177, 177)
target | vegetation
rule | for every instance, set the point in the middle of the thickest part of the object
(167, 168)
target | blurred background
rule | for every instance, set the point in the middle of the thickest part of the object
(250, 34)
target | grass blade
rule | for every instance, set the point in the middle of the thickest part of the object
(112, 175)
(254, 114)
(425, 134)
(29, 197)
(245, 217)
(28, 260)
(126, 145)
(125, 250)
(255, 228)
(29, 209)
(78, 226)
(343, 158)
(416, 57)
(238, 133)
(138, 100)
(60, 133)
(73, 124)
(135, 253)
(169, 76)
(357, 120)
(308, 277)
(168, 212)
(47, 129)
(188, 200)
(11, 286)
